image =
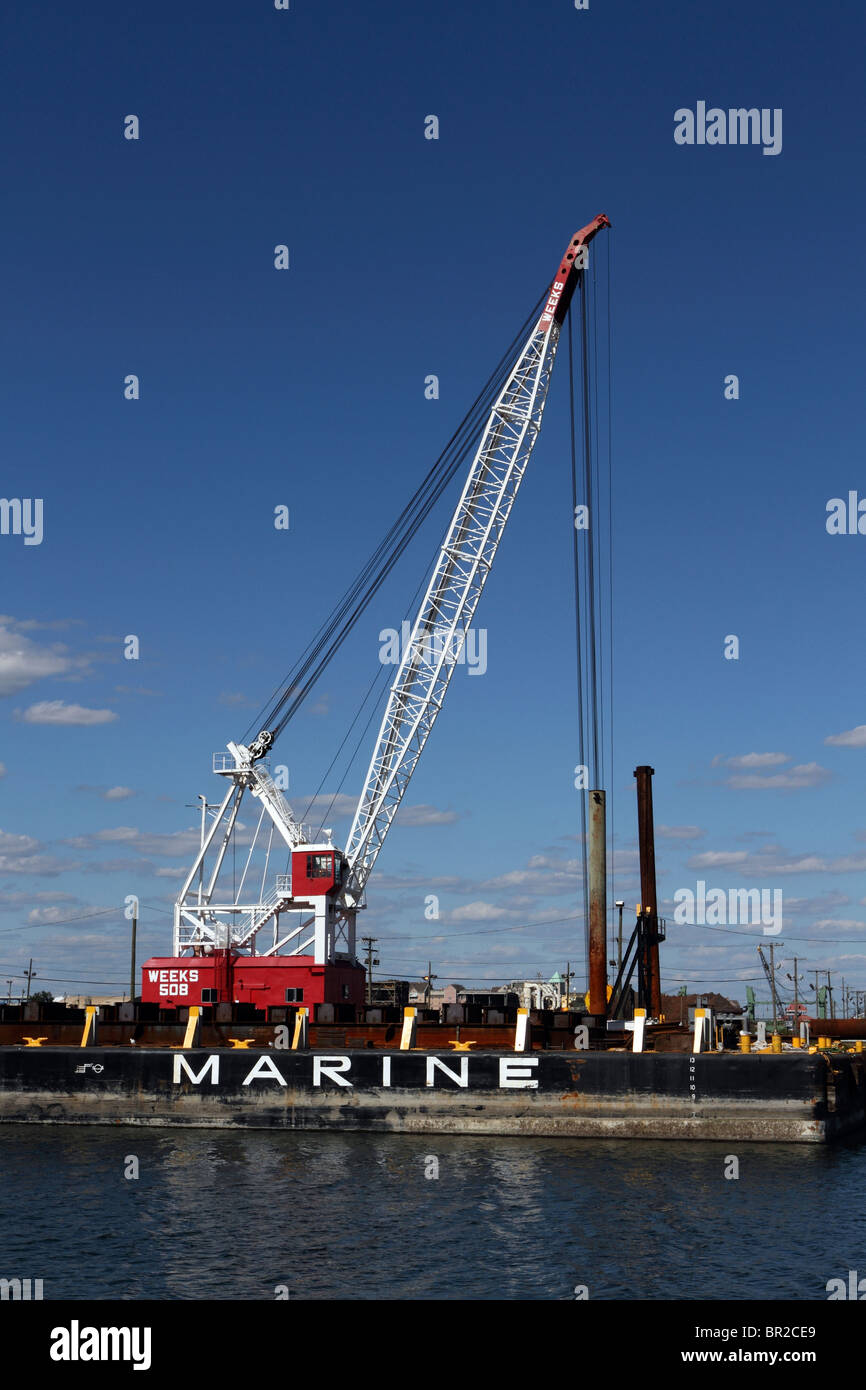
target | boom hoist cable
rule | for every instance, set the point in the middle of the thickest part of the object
(587, 535)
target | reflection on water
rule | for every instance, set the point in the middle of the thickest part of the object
(231, 1214)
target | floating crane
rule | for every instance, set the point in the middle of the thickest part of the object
(216, 954)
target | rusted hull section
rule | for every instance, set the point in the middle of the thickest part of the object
(788, 1098)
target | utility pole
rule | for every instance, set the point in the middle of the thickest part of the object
(132, 963)
(369, 942)
(830, 992)
(620, 904)
(795, 1024)
(10, 984)
(429, 978)
(30, 973)
(818, 1005)
(568, 978)
(773, 982)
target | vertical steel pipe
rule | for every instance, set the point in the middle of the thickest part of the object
(597, 904)
(649, 901)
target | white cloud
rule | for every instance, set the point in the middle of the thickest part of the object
(185, 842)
(679, 832)
(55, 896)
(22, 661)
(320, 807)
(772, 860)
(424, 815)
(58, 712)
(17, 844)
(844, 923)
(756, 760)
(792, 779)
(107, 793)
(41, 915)
(719, 859)
(2, 769)
(851, 738)
(478, 912)
(46, 864)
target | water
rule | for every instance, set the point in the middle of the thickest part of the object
(233, 1215)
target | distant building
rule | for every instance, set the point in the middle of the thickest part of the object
(538, 993)
(82, 1001)
(438, 997)
(493, 999)
(394, 993)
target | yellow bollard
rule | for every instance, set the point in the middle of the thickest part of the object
(88, 1037)
(300, 1037)
(858, 1046)
(777, 1042)
(745, 1042)
(796, 1042)
(193, 1026)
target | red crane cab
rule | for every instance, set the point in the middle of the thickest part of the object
(316, 870)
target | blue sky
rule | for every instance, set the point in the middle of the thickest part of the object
(306, 388)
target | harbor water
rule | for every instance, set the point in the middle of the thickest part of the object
(99, 1213)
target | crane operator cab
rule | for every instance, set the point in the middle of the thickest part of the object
(316, 870)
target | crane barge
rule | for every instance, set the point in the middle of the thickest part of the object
(286, 948)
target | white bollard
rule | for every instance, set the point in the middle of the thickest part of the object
(637, 1030)
(410, 1029)
(522, 1032)
(700, 1029)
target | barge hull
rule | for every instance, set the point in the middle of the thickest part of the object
(792, 1098)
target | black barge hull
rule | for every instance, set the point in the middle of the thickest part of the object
(793, 1097)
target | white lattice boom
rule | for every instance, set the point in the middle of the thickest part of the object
(206, 919)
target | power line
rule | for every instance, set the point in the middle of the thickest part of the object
(64, 922)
